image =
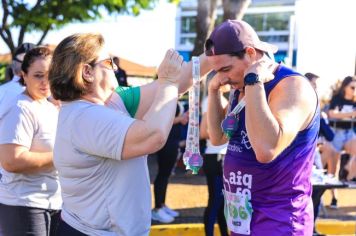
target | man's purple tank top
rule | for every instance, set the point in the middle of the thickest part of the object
(280, 191)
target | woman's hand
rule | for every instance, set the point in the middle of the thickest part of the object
(170, 68)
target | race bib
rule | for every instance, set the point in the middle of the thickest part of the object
(238, 212)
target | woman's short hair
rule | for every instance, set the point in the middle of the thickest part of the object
(65, 73)
(40, 52)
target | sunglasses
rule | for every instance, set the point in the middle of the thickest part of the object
(107, 63)
(18, 60)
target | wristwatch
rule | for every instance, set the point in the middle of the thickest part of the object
(251, 79)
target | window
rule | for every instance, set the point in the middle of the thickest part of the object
(269, 21)
(188, 24)
(270, 27)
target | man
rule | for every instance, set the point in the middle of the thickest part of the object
(270, 153)
(120, 73)
(12, 88)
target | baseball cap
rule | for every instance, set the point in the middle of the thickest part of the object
(24, 48)
(233, 36)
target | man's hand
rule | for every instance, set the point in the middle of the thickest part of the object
(263, 68)
(170, 68)
(216, 83)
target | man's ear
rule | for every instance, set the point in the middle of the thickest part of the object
(87, 73)
(250, 54)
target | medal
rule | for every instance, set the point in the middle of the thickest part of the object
(231, 122)
(230, 125)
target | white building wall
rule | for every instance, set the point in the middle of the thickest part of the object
(326, 39)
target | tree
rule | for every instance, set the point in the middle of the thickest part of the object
(45, 15)
(234, 9)
(206, 18)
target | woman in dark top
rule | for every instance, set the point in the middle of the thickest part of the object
(342, 113)
(166, 158)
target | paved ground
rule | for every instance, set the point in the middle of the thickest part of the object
(188, 194)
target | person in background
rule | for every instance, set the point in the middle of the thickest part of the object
(212, 166)
(12, 88)
(166, 158)
(104, 136)
(269, 159)
(329, 155)
(343, 109)
(30, 194)
(9, 74)
(120, 73)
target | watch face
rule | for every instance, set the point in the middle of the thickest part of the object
(251, 78)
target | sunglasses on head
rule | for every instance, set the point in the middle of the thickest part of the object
(18, 60)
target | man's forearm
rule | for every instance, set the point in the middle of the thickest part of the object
(215, 117)
(262, 127)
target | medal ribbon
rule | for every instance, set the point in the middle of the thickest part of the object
(191, 157)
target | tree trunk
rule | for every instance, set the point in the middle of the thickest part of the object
(234, 9)
(205, 19)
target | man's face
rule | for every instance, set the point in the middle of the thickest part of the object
(16, 64)
(229, 68)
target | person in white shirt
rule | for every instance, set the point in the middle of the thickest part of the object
(103, 137)
(212, 166)
(30, 196)
(12, 88)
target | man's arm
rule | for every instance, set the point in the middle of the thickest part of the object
(216, 113)
(272, 125)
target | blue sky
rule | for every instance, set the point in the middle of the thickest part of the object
(143, 39)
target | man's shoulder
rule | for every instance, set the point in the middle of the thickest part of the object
(295, 82)
(295, 89)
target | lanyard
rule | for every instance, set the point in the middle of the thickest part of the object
(191, 157)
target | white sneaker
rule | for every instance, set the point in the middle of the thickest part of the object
(161, 216)
(170, 212)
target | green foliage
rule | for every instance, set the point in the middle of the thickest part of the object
(61, 12)
(45, 15)
(2, 73)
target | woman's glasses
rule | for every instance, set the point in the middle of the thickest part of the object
(107, 63)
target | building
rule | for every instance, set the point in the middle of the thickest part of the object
(312, 35)
(272, 20)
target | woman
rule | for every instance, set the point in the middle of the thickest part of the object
(100, 151)
(342, 109)
(29, 187)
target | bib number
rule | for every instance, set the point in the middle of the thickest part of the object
(238, 212)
